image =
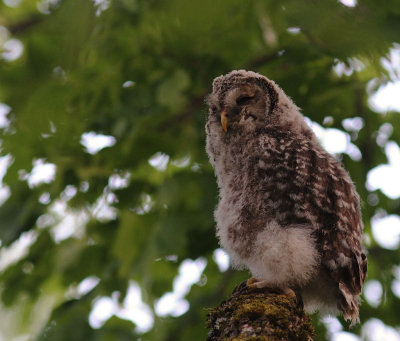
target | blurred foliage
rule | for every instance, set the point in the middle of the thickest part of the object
(139, 70)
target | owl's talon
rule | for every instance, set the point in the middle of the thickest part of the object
(254, 283)
(290, 293)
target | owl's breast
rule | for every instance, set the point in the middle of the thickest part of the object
(240, 213)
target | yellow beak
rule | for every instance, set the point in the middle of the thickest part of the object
(224, 120)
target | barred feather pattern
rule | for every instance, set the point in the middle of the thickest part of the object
(288, 211)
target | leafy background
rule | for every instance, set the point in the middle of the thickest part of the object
(107, 195)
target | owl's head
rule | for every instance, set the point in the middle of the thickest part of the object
(244, 100)
(241, 98)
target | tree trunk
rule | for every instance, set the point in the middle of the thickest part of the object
(259, 314)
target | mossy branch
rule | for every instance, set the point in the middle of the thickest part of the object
(259, 314)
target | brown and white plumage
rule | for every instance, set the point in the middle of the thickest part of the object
(288, 211)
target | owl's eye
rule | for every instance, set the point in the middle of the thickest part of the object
(214, 109)
(244, 99)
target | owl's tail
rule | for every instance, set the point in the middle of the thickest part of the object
(349, 305)
(351, 291)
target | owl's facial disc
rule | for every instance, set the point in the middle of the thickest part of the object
(236, 106)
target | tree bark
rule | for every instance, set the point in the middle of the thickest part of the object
(259, 314)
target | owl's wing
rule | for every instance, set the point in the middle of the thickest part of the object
(339, 233)
(306, 185)
(333, 207)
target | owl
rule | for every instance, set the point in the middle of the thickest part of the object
(287, 211)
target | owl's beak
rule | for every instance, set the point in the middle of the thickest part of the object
(224, 120)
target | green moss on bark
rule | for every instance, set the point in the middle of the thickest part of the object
(259, 315)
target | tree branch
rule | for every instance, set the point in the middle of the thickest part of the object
(24, 25)
(258, 314)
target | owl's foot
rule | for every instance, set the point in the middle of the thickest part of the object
(254, 283)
